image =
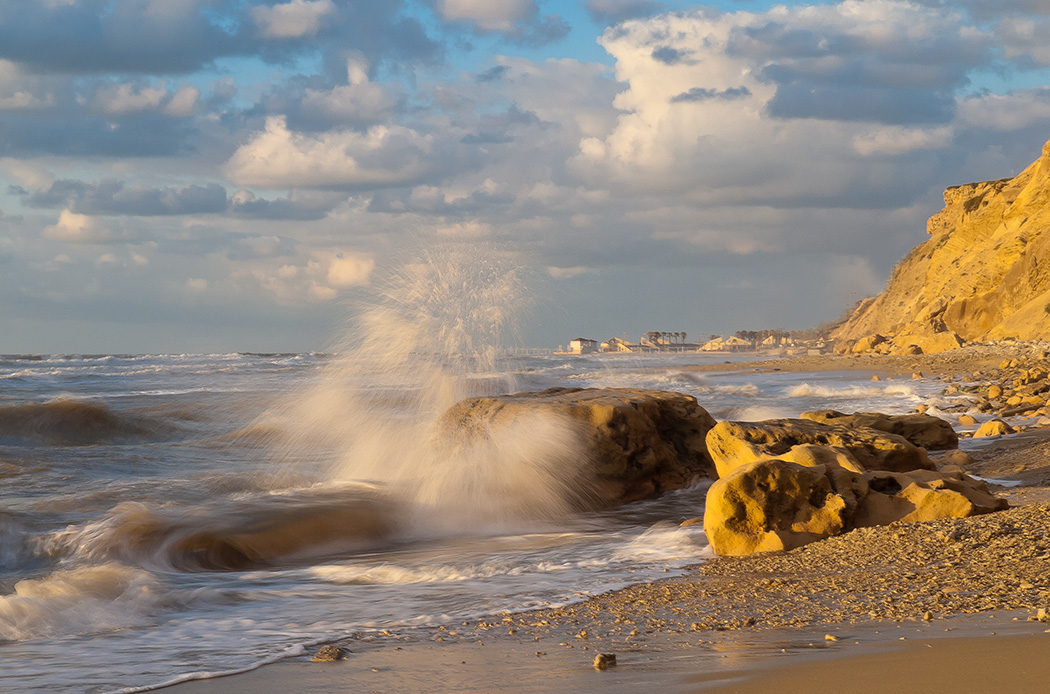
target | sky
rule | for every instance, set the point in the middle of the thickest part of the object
(239, 175)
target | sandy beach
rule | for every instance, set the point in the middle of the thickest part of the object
(947, 605)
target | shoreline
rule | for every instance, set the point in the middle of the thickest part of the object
(960, 592)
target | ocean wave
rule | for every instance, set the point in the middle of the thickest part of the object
(664, 542)
(68, 421)
(82, 600)
(255, 531)
(806, 390)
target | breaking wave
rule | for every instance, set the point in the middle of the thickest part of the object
(83, 600)
(806, 390)
(257, 531)
(70, 422)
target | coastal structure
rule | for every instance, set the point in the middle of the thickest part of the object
(583, 345)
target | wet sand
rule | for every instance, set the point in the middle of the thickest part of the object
(941, 606)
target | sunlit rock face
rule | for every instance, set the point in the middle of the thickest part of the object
(733, 444)
(927, 431)
(980, 276)
(773, 505)
(626, 444)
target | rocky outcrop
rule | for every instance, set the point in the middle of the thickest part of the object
(923, 430)
(633, 444)
(772, 505)
(980, 276)
(923, 495)
(732, 444)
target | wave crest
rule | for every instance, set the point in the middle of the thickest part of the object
(67, 421)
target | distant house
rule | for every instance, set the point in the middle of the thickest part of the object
(715, 345)
(583, 345)
(616, 344)
(735, 344)
(731, 344)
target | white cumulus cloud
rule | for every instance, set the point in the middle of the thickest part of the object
(281, 158)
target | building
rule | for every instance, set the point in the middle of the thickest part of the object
(583, 345)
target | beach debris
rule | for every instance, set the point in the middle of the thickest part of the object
(329, 653)
(604, 661)
(830, 637)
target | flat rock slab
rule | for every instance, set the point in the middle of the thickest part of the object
(927, 431)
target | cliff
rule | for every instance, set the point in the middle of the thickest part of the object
(984, 273)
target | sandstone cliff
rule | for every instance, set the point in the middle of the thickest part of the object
(984, 273)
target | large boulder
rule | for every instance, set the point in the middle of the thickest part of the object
(927, 431)
(732, 444)
(633, 444)
(772, 505)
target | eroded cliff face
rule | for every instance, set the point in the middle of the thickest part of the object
(984, 273)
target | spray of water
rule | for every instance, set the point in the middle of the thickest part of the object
(431, 336)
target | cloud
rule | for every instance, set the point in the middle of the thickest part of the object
(488, 16)
(358, 102)
(116, 198)
(298, 205)
(79, 228)
(894, 140)
(137, 36)
(19, 91)
(380, 156)
(766, 108)
(348, 270)
(701, 94)
(292, 20)
(1024, 108)
(616, 11)
(518, 20)
(570, 272)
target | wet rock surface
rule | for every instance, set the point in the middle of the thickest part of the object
(634, 444)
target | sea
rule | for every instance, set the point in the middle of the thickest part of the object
(168, 517)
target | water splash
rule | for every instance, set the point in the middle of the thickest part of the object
(431, 336)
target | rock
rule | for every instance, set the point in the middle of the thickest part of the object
(604, 661)
(995, 392)
(954, 457)
(329, 654)
(923, 495)
(967, 420)
(773, 505)
(993, 427)
(732, 444)
(927, 431)
(867, 343)
(632, 444)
